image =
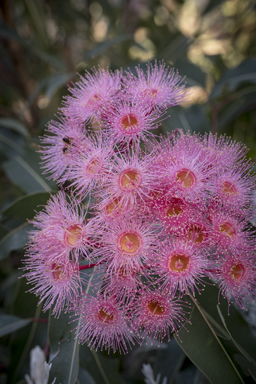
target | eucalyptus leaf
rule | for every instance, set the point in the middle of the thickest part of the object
(64, 345)
(170, 360)
(106, 45)
(103, 370)
(14, 240)
(64, 349)
(15, 125)
(25, 206)
(194, 76)
(191, 119)
(84, 377)
(11, 144)
(57, 81)
(245, 72)
(202, 346)
(9, 324)
(248, 357)
(237, 327)
(22, 173)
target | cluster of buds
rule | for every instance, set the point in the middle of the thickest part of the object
(155, 217)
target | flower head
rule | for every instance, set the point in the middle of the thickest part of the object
(103, 324)
(92, 95)
(159, 87)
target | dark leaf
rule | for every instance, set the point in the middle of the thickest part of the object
(237, 327)
(202, 346)
(21, 171)
(14, 240)
(192, 73)
(106, 45)
(25, 206)
(64, 349)
(103, 370)
(14, 125)
(9, 324)
(245, 72)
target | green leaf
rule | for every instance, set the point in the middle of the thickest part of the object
(176, 47)
(191, 119)
(21, 173)
(3, 231)
(241, 349)
(37, 12)
(106, 45)
(14, 240)
(57, 81)
(170, 360)
(64, 349)
(202, 345)
(9, 324)
(15, 125)
(25, 206)
(64, 345)
(10, 144)
(238, 329)
(84, 377)
(245, 72)
(103, 370)
(192, 73)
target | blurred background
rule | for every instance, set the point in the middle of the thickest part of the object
(44, 46)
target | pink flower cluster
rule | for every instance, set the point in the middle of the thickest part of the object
(155, 217)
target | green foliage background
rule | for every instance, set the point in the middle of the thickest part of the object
(44, 46)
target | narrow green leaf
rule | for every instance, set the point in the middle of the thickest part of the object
(3, 231)
(245, 72)
(103, 370)
(84, 377)
(9, 324)
(25, 206)
(241, 349)
(193, 119)
(237, 327)
(202, 346)
(192, 73)
(64, 346)
(170, 360)
(21, 173)
(57, 81)
(14, 240)
(106, 45)
(15, 125)
(10, 145)
(37, 13)
(64, 349)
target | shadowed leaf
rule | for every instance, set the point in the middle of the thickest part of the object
(9, 324)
